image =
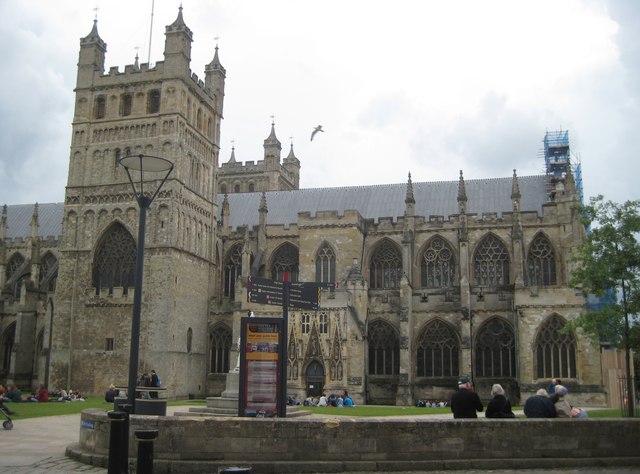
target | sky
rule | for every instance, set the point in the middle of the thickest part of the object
(419, 86)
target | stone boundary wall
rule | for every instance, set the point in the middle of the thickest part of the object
(342, 444)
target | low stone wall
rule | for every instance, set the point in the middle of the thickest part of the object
(341, 443)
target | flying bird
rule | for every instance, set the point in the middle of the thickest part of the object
(316, 130)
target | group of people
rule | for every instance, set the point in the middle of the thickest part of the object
(550, 403)
(13, 394)
(430, 404)
(338, 401)
(150, 379)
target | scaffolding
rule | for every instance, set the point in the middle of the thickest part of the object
(558, 161)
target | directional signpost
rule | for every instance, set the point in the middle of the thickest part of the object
(297, 295)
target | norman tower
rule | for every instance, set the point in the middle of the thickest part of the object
(163, 111)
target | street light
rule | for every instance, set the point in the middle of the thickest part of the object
(140, 164)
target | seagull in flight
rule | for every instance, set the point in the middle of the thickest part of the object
(316, 130)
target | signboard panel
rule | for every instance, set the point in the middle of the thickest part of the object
(301, 295)
(260, 367)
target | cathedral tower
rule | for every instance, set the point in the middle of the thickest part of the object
(164, 111)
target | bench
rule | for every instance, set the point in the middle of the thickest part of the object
(145, 406)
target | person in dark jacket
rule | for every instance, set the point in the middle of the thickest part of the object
(499, 406)
(540, 406)
(465, 402)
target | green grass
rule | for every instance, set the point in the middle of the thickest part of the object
(26, 410)
(33, 410)
(377, 410)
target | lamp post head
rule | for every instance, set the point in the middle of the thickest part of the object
(145, 164)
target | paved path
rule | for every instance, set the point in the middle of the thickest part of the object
(37, 446)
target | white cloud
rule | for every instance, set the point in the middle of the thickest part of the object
(426, 87)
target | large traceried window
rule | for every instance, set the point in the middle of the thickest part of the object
(555, 351)
(115, 260)
(438, 352)
(220, 347)
(491, 263)
(284, 261)
(384, 349)
(326, 265)
(438, 265)
(541, 262)
(495, 350)
(232, 270)
(386, 266)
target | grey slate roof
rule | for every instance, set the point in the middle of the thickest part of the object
(372, 202)
(387, 200)
(49, 217)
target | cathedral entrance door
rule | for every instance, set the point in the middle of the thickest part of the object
(315, 379)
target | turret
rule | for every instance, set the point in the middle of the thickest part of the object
(292, 164)
(91, 58)
(177, 47)
(214, 76)
(272, 150)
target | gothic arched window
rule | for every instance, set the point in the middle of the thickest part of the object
(386, 266)
(100, 107)
(326, 265)
(285, 260)
(232, 270)
(220, 347)
(555, 351)
(153, 104)
(384, 349)
(438, 265)
(125, 104)
(438, 351)
(541, 262)
(495, 350)
(115, 260)
(491, 262)
(48, 272)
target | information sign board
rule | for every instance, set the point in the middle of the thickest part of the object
(260, 351)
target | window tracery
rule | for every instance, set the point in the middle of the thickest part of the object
(232, 269)
(384, 349)
(115, 260)
(220, 347)
(326, 265)
(438, 265)
(491, 263)
(555, 351)
(438, 351)
(386, 266)
(495, 350)
(285, 260)
(541, 262)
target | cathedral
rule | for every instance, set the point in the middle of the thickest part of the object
(422, 281)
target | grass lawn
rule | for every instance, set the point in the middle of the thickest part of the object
(25, 410)
(33, 410)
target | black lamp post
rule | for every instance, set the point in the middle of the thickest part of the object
(141, 164)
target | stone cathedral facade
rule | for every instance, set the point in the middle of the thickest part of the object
(428, 280)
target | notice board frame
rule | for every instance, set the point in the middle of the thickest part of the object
(261, 354)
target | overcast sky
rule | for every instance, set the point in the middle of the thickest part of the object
(427, 87)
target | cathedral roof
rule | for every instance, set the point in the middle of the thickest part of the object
(388, 200)
(49, 217)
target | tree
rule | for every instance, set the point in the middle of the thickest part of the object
(608, 263)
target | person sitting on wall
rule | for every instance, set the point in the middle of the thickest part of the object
(562, 406)
(540, 406)
(465, 402)
(499, 406)
(111, 394)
